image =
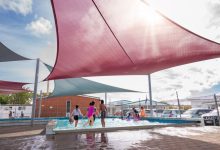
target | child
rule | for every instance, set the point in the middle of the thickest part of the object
(129, 116)
(135, 113)
(76, 113)
(142, 112)
(90, 114)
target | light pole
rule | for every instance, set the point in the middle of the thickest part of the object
(178, 102)
(150, 95)
(35, 92)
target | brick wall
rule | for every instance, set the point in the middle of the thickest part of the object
(56, 107)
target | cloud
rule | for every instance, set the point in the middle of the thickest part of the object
(40, 27)
(195, 69)
(23, 7)
(48, 55)
(22, 71)
(189, 80)
(214, 9)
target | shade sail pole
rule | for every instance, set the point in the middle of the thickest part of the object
(146, 101)
(35, 92)
(139, 103)
(177, 97)
(40, 101)
(105, 98)
(150, 95)
(48, 86)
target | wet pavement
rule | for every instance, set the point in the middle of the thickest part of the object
(167, 138)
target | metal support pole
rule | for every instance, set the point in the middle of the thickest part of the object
(178, 102)
(110, 106)
(146, 102)
(40, 100)
(122, 110)
(48, 86)
(106, 102)
(150, 96)
(35, 92)
(216, 105)
(139, 103)
(105, 98)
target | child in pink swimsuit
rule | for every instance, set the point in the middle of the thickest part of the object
(90, 115)
(90, 111)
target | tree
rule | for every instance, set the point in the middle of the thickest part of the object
(20, 98)
(3, 99)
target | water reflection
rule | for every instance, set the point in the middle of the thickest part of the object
(119, 140)
(95, 140)
(103, 140)
(90, 140)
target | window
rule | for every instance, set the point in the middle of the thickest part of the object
(68, 107)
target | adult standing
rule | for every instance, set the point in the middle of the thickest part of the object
(103, 110)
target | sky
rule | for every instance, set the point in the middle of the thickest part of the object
(27, 27)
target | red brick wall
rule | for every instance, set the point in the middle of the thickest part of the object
(56, 107)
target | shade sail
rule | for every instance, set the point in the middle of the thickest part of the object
(6, 92)
(80, 86)
(8, 87)
(121, 37)
(8, 55)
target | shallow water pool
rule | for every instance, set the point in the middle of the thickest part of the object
(110, 122)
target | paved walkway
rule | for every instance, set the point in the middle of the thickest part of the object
(176, 143)
(168, 138)
(23, 133)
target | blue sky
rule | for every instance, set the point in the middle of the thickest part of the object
(27, 27)
(19, 27)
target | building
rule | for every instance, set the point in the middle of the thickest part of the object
(63, 106)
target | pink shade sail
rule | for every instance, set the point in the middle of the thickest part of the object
(6, 92)
(121, 37)
(8, 87)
